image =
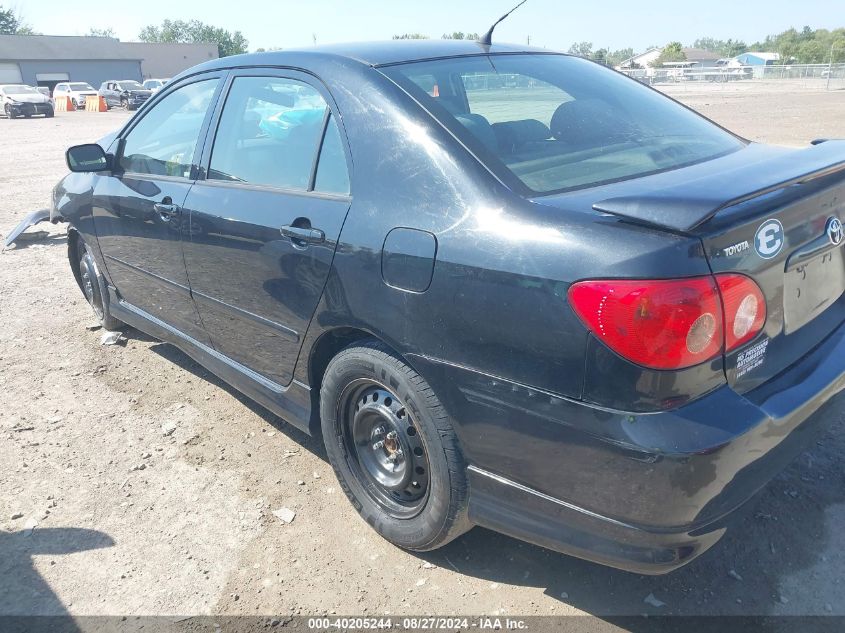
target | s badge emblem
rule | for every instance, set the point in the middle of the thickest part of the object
(769, 239)
(834, 230)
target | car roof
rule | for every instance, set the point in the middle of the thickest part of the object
(376, 53)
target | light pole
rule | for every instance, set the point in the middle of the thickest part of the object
(830, 65)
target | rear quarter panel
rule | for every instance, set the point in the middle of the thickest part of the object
(497, 303)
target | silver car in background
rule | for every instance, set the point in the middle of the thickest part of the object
(18, 100)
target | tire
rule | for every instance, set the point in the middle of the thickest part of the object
(124, 103)
(93, 287)
(75, 104)
(367, 395)
(8, 112)
(49, 114)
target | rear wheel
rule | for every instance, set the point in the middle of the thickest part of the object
(94, 288)
(393, 448)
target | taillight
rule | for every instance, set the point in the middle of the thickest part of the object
(663, 324)
(744, 306)
(670, 323)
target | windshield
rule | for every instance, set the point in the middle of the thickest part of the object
(130, 85)
(152, 83)
(19, 90)
(80, 86)
(557, 122)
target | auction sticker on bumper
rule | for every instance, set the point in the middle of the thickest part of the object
(751, 358)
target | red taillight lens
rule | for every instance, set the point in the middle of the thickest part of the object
(744, 306)
(671, 323)
(663, 324)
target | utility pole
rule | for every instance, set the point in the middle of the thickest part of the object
(830, 66)
(529, 41)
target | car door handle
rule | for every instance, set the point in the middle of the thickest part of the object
(167, 211)
(302, 235)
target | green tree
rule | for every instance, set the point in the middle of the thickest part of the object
(109, 32)
(180, 31)
(617, 57)
(708, 44)
(460, 35)
(410, 36)
(732, 48)
(672, 52)
(582, 49)
(12, 24)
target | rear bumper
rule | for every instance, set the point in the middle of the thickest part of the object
(641, 492)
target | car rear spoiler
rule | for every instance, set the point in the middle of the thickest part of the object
(690, 203)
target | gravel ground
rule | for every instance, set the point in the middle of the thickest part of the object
(150, 484)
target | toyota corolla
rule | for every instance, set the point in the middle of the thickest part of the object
(508, 287)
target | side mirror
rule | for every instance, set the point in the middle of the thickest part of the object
(89, 157)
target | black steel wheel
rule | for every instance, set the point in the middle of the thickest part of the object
(94, 287)
(393, 448)
(387, 450)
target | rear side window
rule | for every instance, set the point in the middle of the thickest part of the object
(269, 134)
(164, 141)
(557, 123)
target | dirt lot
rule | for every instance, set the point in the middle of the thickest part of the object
(152, 482)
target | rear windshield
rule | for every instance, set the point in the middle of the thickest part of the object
(78, 86)
(130, 85)
(558, 123)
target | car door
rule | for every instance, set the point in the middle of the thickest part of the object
(138, 206)
(266, 216)
(109, 91)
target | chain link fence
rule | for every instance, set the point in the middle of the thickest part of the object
(809, 76)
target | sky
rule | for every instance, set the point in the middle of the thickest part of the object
(613, 24)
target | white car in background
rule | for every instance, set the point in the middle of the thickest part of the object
(154, 85)
(78, 91)
(18, 100)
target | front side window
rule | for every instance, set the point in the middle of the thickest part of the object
(557, 122)
(269, 133)
(164, 141)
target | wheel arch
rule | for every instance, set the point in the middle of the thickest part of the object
(74, 239)
(324, 349)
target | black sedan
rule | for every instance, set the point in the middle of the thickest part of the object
(509, 287)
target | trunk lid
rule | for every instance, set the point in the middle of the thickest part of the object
(789, 239)
(769, 213)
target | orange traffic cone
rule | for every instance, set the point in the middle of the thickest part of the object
(97, 104)
(64, 104)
